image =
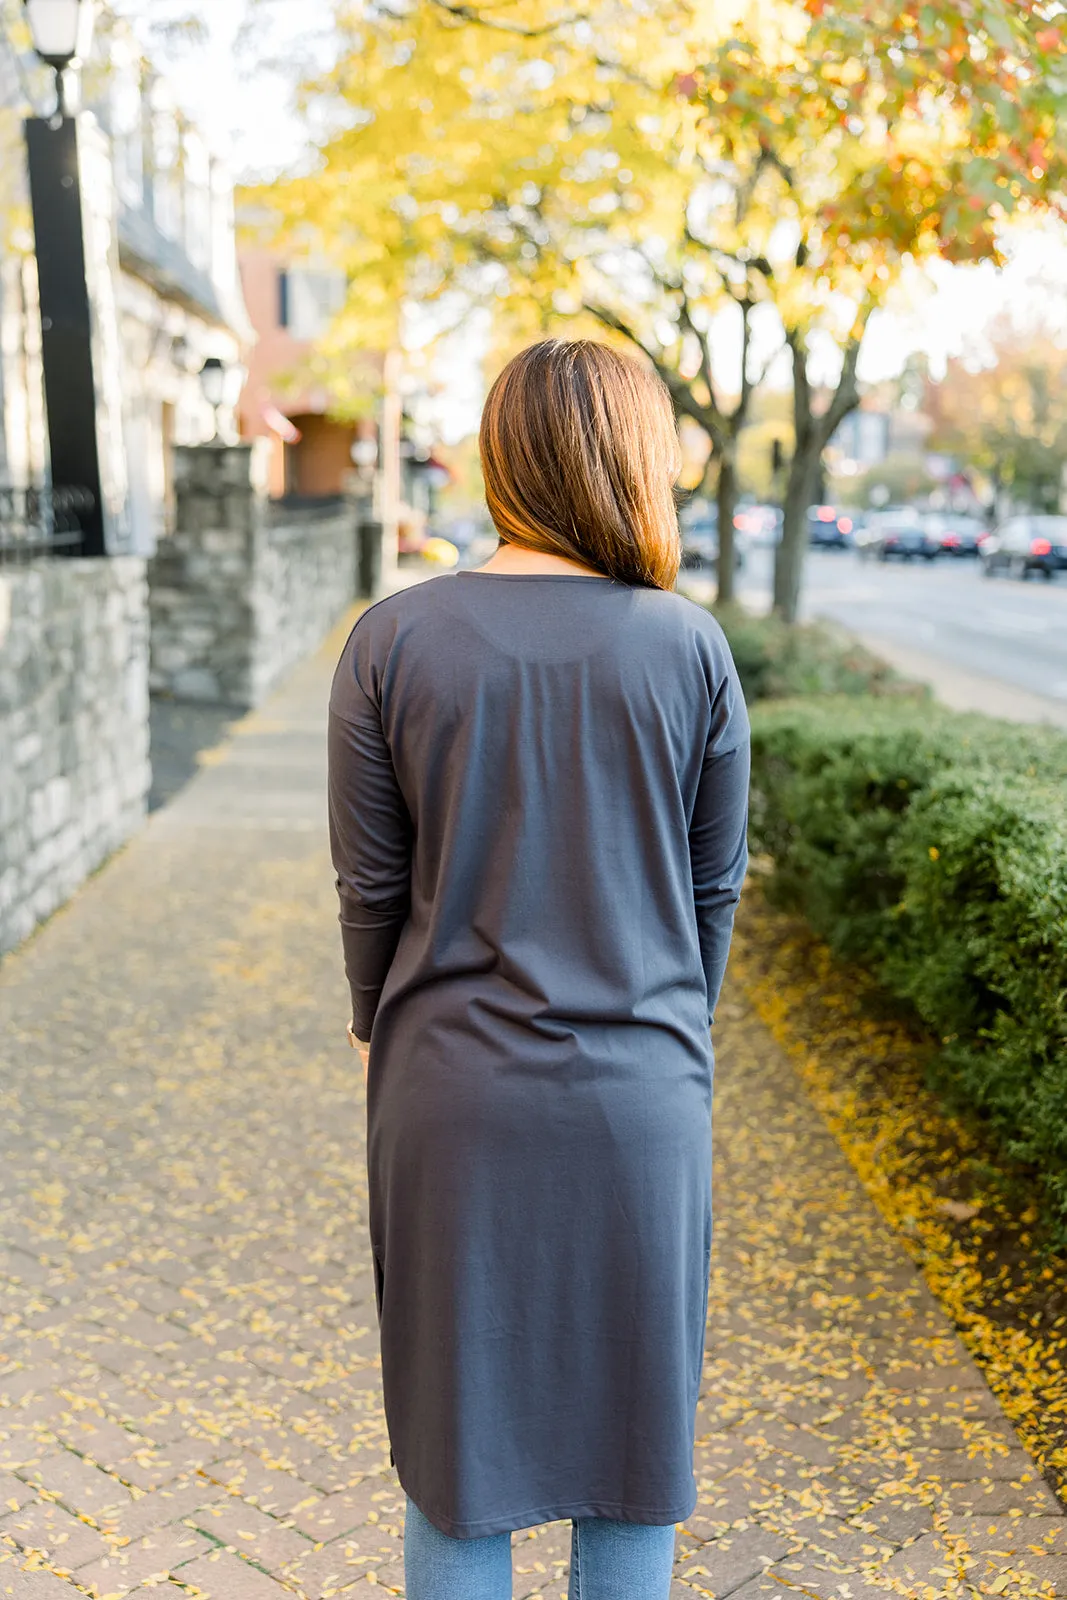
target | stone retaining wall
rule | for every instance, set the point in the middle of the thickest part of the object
(239, 594)
(74, 771)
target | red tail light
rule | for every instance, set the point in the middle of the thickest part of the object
(844, 524)
(1040, 547)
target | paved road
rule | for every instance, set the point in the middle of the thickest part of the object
(190, 1399)
(993, 631)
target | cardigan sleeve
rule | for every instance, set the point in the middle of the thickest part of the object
(718, 832)
(370, 839)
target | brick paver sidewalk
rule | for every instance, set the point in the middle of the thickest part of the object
(188, 1370)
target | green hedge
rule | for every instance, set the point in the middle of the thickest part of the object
(932, 847)
(774, 659)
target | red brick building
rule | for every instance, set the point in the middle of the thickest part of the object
(290, 308)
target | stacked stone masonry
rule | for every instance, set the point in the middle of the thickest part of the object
(237, 595)
(74, 769)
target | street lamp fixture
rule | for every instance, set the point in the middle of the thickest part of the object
(213, 382)
(221, 386)
(62, 31)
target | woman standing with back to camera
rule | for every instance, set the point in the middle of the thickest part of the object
(538, 785)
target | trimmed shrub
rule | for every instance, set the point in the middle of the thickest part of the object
(982, 952)
(774, 659)
(932, 847)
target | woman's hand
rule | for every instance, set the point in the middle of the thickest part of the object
(363, 1046)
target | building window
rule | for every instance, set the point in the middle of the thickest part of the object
(308, 300)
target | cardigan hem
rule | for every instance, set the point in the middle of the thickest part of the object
(512, 1522)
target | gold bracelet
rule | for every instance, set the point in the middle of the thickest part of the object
(353, 1041)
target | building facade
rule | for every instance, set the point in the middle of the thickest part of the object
(291, 306)
(176, 292)
(380, 455)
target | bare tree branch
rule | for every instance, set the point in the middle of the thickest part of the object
(758, 264)
(466, 13)
(685, 402)
(747, 189)
(705, 354)
(741, 409)
(846, 396)
(717, 254)
(802, 412)
(764, 371)
(770, 157)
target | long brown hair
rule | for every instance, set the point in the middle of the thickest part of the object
(579, 454)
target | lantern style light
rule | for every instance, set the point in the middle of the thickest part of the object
(213, 382)
(221, 386)
(62, 32)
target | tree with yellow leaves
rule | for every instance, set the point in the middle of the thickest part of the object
(1005, 412)
(709, 180)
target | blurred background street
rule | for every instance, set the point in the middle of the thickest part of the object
(986, 633)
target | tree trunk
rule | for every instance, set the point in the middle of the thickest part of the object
(789, 560)
(726, 502)
(812, 434)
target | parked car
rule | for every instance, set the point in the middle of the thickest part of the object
(829, 528)
(759, 524)
(896, 531)
(955, 534)
(699, 523)
(1026, 544)
(700, 540)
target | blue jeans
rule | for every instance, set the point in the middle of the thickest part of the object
(609, 1561)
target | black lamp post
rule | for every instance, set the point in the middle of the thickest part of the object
(61, 31)
(365, 459)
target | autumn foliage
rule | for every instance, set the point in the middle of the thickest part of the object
(662, 172)
(1004, 410)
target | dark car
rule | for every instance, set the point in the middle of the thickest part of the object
(829, 528)
(1027, 544)
(700, 542)
(955, 535)
(897, 531)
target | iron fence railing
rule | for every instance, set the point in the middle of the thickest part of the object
(38, 522)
